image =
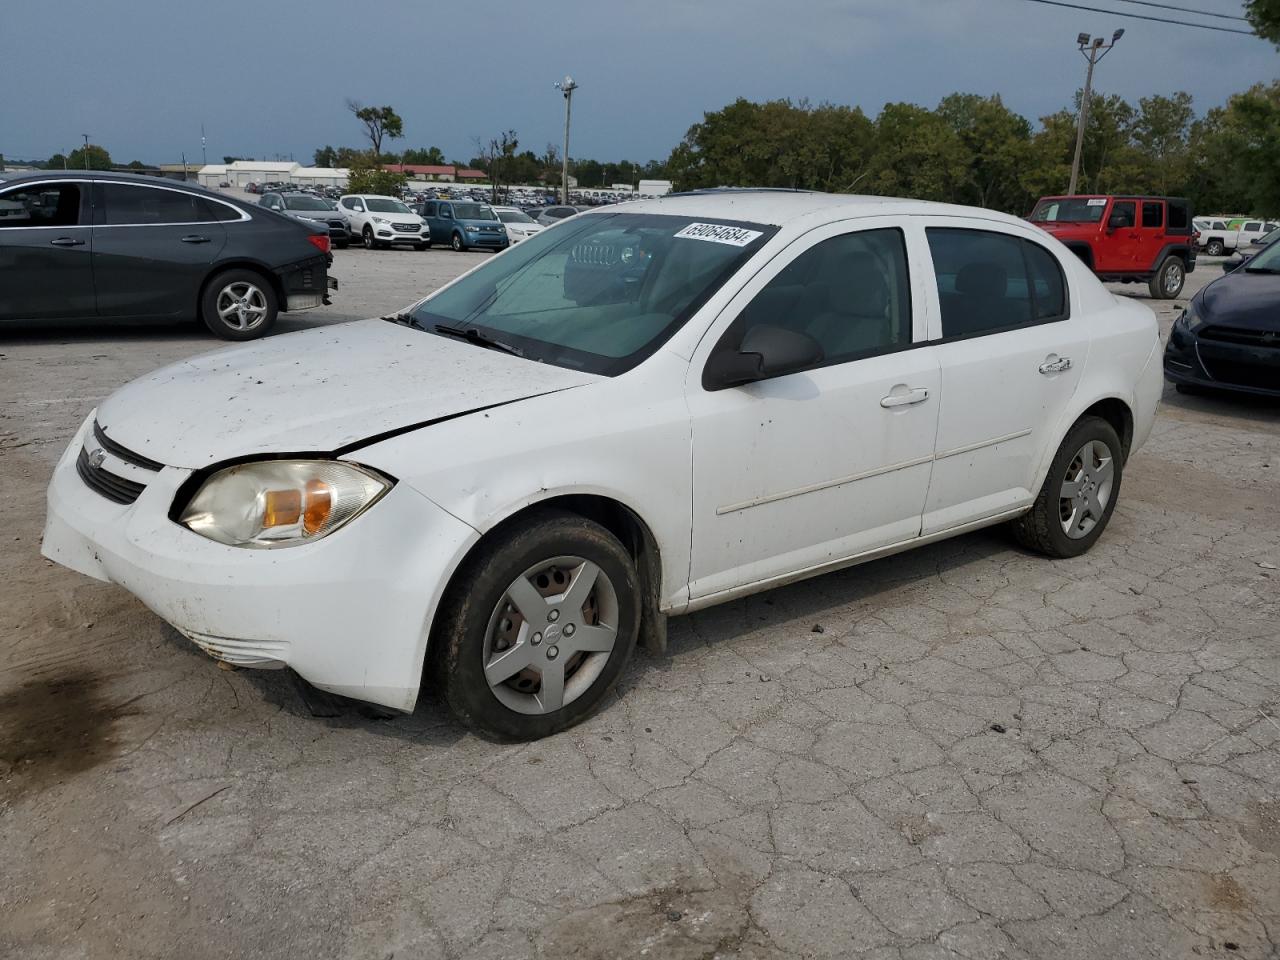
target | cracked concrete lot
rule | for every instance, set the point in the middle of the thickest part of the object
(964, 751)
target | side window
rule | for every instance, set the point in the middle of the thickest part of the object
(1252, 226)
(982, 278)
(220, 211)
(1123, 214)
(850, 293)
(1153, 214)
(1178, 217)
(446, 211)
(429, 210)
(44, 205)
(1048, 287)
(348, 203)
(124, 204)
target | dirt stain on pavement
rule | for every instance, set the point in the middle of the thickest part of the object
(53, 729)
(1226, 894)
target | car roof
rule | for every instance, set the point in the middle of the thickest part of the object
(108, 175)
(780, 207)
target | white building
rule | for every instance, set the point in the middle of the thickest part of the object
(242, 172)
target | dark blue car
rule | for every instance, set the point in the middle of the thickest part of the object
(464, 224)
(1228, 338)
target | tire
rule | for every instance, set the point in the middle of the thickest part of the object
(1189, 390)
(1043, 527)
(239, 305)
(457, 243)
(1215, 248)
(1168, 280)
(342, 244)
(546, 552)
(366, 237)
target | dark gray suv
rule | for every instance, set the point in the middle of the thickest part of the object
(303, 206)
(120, 247)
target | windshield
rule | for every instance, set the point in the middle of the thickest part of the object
(305, 203)
(472, 211)
(599, 293)
(386, 205)
(1069, 210)
(514, 216)
(1267, 259)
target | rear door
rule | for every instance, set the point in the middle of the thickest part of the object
(46, 247)
(1011, 355)
(1151, 232)
(153, 247)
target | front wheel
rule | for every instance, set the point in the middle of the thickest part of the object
(537, 627)
(367, 237)
(1168, 280)
(239, 305)
(1079, 494)
(457, 244)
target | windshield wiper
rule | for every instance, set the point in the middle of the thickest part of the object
(406, 319)
(480, 339)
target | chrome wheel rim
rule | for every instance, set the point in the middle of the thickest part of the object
(457, 242)
(242, 306)
(368, 239)
(550, 635)
(1086, 489)
(1173, 279)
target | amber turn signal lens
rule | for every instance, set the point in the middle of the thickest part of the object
(281, 508)
(319, 506)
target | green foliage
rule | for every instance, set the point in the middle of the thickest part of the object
(1264, 16)
(368, 177)
(98, 158)
(379, 123)
(230, 160)
(429, 156)
(974, 150)
(325, 156)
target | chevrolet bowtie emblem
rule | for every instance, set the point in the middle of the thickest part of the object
(97, 457)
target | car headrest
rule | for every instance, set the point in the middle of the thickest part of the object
(859, 287)
(982, 280)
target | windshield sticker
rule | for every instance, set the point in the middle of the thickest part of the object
(719, 233)
(1097, 202)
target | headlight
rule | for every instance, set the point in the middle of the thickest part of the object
(472, 228)
(1186, 320)
(380, 220)
(281, 503)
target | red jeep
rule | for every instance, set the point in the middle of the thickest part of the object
(1126, 238)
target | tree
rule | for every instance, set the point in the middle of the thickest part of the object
(98, 158)
(1160, 133)
(427, 156)
(136, 165)
(230, 160)
(379, 123)
(365, 176)
(997, 143)
(325, 156)
(495, 158)
(917, 155)
(57, 162)
(1264, 17)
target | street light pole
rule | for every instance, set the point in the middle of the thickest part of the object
(1093, 50)
(566, 86)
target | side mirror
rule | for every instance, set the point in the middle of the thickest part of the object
(1116, 221)
(765, 352)
(1230, 265)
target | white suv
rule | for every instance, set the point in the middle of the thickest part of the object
(381, 221)
(670, 405)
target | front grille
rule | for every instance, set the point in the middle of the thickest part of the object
(599, 254)
(406, 227)
(105, 482)
(1242, 335)
(1258, 375)
(108, 484)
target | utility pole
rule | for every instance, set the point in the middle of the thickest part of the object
(566, 86)
(204, 153)
(1093, 49)
(86, 150)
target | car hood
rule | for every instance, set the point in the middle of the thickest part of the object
(312, 216)
(320, 390)
(1242, 299)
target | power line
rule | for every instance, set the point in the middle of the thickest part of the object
(1140, 16)
(1198, 13)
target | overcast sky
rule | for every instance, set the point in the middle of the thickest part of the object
(141, 75)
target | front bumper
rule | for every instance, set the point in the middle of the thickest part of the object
(1219, 365)
(396, 236)
(498, 241)
(350, 613)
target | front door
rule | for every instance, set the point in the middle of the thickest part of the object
(1011, 356)
(46, 247)
(1118, 251)
(153, 247)
(804, 471)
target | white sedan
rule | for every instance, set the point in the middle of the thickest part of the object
(643, 412)
(520, 226)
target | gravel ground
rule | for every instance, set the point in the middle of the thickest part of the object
(961, 751)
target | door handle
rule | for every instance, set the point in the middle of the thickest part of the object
(193, 238)
(1055, 365)
(67, 242)
(918, 395)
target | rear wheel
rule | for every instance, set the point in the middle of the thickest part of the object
(1215, 248)
(1079, 494)
(1168, 280)
(537, 627)
(239, 305)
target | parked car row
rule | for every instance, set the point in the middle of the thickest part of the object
(121, 248)
(1219, 236)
